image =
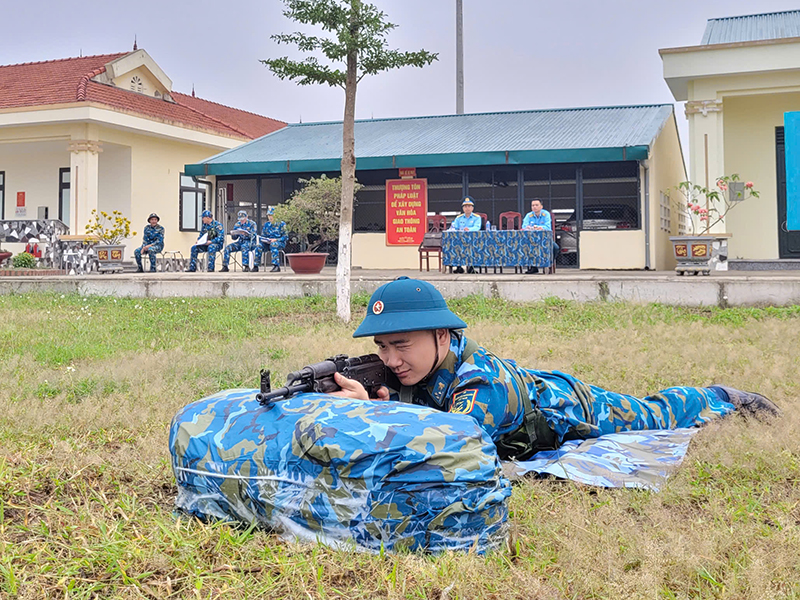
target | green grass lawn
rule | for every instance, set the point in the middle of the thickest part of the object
(88, 387)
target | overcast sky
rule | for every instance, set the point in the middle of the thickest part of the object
(519, 54)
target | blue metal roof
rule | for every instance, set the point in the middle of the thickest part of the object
(523, 137)
(750, 28)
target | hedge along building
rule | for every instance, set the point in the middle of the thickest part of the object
(578, 161)
(738, 84)
(108, 132)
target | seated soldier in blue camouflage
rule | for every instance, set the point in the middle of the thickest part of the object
(244, 236)
(274, 235)
(523, 410)
(152, 243)
(211, 233)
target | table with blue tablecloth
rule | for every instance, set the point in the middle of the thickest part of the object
(509, 248)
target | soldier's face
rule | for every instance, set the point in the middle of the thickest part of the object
(409, 355)
(536, 207)
(206, 220)
(468, 208)
(154, 221)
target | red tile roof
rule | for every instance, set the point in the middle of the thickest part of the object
(69, 81)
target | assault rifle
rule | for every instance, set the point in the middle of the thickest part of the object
(368, 370)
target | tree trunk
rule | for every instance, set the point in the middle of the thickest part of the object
(348, 185)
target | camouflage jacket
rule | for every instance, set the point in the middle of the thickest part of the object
(214, 230)
(154, 236)
(276, 231)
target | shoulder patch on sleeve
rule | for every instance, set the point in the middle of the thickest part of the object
(464, 402)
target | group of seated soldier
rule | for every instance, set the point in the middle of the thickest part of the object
(245, 240)
(538, 219)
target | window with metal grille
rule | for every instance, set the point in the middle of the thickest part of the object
(665, 212)
(192, 202)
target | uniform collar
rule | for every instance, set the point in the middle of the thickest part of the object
(441, 382)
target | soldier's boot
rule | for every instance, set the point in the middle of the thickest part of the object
(254, 269)
(275, 269)
(750, 403)
(224, 269)
(471, 270)
(246, 269)
(191, 270)
(139, 269)
(458, 270)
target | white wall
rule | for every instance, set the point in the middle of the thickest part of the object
(32, 168)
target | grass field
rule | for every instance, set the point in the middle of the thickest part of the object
(88, 387)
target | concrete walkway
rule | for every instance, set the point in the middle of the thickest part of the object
(733, 288)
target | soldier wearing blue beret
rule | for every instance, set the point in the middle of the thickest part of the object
(524, 411)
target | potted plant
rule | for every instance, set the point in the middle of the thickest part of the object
(4, 256)
(110, 230)
(312, 212)
(703, 208)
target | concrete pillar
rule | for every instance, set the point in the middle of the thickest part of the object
(707, 144)
(84, 177)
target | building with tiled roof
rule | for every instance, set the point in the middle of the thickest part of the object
(108, 132)
(741, 85)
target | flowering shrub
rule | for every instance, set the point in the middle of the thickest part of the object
(111, 229)
(24, 260)
(729, 192)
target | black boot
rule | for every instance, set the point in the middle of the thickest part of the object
(246, 269)
(254, 269)
(211, 269)
(458, 270)
(224, 269)
(190, 270)
(275, 269)
(140, 270)
(532, 270)
(471, 270)
(750, 403)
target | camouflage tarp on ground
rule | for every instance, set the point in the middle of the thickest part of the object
(341, 471)
(640, 459)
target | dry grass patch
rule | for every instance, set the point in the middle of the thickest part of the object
(86, 488)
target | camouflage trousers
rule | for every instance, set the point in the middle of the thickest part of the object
(242, 246)
(576, 410)
(151, 252)
(274, 248)
(212, 250)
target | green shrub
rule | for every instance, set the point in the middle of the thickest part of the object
(23, 260)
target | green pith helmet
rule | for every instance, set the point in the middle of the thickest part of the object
(407, 305)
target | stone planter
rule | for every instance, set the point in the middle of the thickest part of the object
(700, 254)
(109, 258)
(307, 263)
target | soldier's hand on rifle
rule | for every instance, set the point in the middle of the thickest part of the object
(353, 389)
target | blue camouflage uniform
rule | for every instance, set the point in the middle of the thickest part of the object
(473, 381)
(276, 231)
(214, 243)
(523, 410)
(153, 236)
(242, 243)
